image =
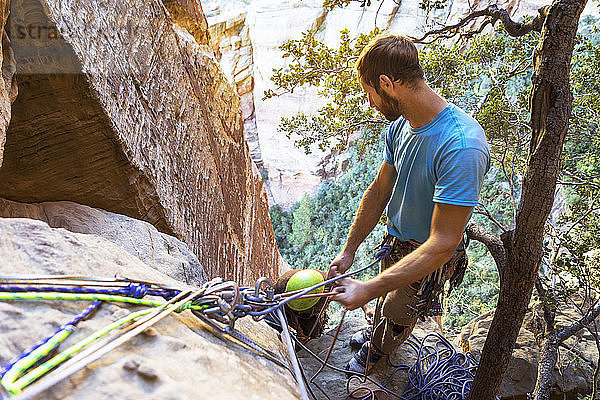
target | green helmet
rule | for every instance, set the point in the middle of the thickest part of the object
(301, 280)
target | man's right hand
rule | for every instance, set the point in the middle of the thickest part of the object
(340, 264)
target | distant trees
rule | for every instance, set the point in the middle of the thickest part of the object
(312, 232)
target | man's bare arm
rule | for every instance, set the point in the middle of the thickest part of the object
(447, 226)
(369, 211)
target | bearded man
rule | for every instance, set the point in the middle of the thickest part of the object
(435, 160)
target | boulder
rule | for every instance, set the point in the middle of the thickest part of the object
(123, 107)
(177, 358)
(573, 373)
(158, 250)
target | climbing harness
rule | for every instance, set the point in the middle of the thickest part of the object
(217, 303)
(429, 291)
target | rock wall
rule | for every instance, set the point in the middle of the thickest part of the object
(178, 358)
(230, 40)
(291, 173)
(8, 85)
(189, 15)
(124, 107)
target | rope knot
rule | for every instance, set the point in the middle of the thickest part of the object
(137, 291)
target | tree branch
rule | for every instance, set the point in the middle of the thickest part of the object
(596, 382)
(580, 180)
(576, 326)
(578, 353)
(549, 314)
(491, 241)
(487, 213)
(492, 14)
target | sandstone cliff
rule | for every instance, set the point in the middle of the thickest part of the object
(123, 107)
(8, 84)
(230, 40)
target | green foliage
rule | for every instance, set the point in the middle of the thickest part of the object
(572, 262)
(581, 161)
(427, 5)
(430, 6)
(574, 270)
(331, 4)
(489, 76)
(313, 232)
(332, 71)
(477, 294)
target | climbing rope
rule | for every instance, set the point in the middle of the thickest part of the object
(439, 368)
(137, 291)
(439, 373)
(61, 332)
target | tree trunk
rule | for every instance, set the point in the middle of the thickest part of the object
(549, 349)
(547, 360)
(551, 103)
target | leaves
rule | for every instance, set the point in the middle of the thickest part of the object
(332, 72)
(312, 233)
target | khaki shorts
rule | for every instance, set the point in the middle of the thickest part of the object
(397, 313)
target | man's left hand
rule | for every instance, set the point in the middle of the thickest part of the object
(351, 293)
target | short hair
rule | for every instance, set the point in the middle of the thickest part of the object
(392, 55)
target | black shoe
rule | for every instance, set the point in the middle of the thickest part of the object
(360, 338)
(358, 364)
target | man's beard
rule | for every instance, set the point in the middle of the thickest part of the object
(390, 108)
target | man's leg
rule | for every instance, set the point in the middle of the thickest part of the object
(397, 313)
(395, 320)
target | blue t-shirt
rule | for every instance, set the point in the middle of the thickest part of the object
(444, 161)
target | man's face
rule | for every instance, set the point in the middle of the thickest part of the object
(387, 105)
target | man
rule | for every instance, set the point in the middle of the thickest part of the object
(435, 160)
